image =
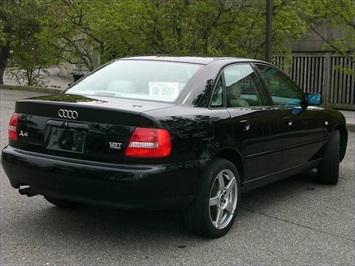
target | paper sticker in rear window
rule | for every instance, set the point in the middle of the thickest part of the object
(161, 89)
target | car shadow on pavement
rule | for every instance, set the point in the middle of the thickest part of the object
(116, 222)
(110, 224)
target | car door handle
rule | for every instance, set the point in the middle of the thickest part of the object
(244, 125)
(288, 121)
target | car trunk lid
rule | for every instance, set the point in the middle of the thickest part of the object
(80, 127)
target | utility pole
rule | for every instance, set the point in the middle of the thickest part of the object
(268, 35)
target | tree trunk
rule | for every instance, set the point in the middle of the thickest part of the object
(4, 56)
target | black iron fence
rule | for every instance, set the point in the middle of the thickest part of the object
(323, 74)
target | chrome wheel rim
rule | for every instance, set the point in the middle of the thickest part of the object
(223, 199)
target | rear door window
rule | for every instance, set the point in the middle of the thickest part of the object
(240, 85)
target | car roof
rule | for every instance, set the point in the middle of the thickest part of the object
(191, 59)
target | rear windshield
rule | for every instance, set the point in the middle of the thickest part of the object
(135, 79)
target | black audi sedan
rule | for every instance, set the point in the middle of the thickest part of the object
(172, 132)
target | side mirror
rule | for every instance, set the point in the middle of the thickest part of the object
(314, 98)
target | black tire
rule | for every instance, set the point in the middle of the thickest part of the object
(214, 209)
(61, 203)
(328, 170)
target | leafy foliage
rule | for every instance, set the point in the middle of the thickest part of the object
(18, 41)
(90, 33)
(339, 15)
(110, 29)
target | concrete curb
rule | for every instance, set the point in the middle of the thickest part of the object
(350, 127)
(349, 123)
(28, 88)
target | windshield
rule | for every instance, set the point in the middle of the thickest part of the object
(138, 79)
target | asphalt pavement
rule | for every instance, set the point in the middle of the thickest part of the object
(350, 119)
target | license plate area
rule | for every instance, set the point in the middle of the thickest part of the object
(66, 137)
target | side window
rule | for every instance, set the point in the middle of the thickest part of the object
(242, 86)
(217, 98)
(281, 89)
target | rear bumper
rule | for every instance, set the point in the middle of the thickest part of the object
(120, 185)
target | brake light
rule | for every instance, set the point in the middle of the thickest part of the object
(149, 143)
(12, 132)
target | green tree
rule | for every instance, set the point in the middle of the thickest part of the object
(18, 42)
(335, 14)
(90, 33)
(87, 30)
(75, 29)
(213, 28)
(7, 29)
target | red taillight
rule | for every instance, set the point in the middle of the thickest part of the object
(13, 127)
(149, 143)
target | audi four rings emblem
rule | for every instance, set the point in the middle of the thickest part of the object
(69, 114)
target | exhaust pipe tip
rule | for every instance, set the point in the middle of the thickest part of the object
(27, 191)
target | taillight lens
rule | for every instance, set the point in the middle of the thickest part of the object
(12, 132)
(149, 143)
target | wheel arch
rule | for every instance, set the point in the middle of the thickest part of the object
(234, 157)
(343, 140)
